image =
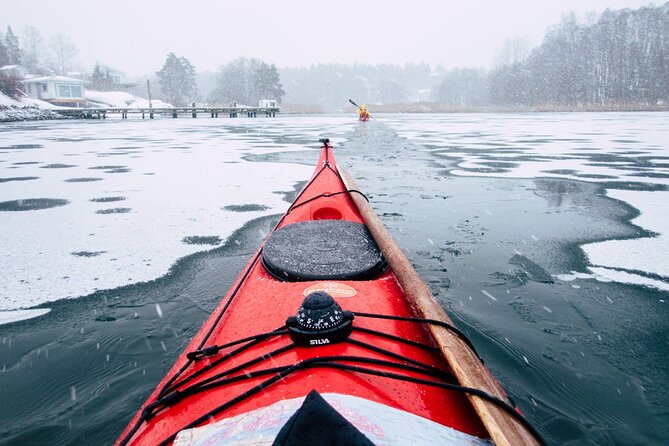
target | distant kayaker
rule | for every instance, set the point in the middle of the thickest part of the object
(363, 113)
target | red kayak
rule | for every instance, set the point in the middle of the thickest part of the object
(328, 336)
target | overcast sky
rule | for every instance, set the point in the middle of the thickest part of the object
(135, 35)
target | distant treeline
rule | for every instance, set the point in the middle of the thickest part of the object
(621, 57)
(330, 85)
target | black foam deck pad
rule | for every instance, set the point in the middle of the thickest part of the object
(316, 423)
(323, 250)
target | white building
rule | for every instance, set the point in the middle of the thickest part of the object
(58, 90)
(267, 103)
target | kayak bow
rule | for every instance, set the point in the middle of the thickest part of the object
(329, 334)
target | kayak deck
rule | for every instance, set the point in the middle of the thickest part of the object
(392, 362)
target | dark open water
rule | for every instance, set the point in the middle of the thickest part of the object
(586, 364)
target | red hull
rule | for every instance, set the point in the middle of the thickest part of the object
(259, 303)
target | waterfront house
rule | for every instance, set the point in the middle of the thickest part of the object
(58, 90)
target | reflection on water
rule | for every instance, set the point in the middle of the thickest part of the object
(555, 191)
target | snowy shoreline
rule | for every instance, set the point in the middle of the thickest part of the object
(29, 109)
(13, 114)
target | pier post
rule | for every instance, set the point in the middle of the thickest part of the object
(194, 112)
(142, 114)
(148, 90)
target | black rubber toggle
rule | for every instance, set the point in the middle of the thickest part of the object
(208, 351)
(319, 321)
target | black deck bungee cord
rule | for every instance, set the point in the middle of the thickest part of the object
(284, 371)
(393, 355)
(330, 362)
(222, 379)
(328, 195)
(205, 384)
(442, 324)
(397, 339)
(169, 393)
(214, 349)
(167, 399)
(255, 341)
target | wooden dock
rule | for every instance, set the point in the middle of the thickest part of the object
(193, 111)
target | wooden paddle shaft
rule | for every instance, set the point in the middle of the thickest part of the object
(469, 370)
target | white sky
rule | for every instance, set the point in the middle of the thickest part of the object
(135, 35)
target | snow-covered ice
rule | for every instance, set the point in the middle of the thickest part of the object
(650, 255)
(617, 148)
(19, 315)
(135, 196)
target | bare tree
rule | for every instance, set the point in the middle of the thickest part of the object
(513, 50)
(63, 51)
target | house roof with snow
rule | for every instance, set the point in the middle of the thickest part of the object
(70, 80)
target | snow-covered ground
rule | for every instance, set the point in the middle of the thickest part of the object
(92, 205)
(27, 109)
(30, 109)
(618, 148)
(122, 99)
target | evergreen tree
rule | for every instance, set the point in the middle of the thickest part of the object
(177, 80)
(100, 79)
(4, 54)
(9, 85)
(189, 84)
(267, 84)
(12, 44)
